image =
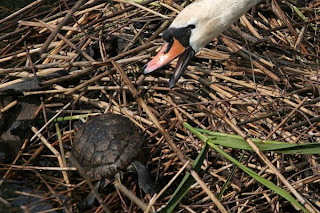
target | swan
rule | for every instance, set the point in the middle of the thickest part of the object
(193, 28)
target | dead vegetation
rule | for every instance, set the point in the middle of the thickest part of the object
(68, 60)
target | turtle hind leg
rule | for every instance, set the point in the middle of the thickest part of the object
(144, 180)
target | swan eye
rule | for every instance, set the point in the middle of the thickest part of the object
(192, 26)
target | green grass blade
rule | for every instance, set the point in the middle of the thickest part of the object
(237, 142)
(151, 4)
(250, 172)
(227, 183)
(260, 179)
(74, 117)
(187, 181)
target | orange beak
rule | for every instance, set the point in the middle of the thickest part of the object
(168, 52)
(165, 55)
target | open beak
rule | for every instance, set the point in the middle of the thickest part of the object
(168, 52)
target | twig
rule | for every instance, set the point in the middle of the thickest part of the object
(60, 25)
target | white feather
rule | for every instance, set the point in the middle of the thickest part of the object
(211, 17)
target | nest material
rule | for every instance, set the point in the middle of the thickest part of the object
(261, 77)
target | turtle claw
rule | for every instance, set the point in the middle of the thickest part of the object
(118, 176)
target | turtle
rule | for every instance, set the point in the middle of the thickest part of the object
(106, 145)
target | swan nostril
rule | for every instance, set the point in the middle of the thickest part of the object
(170, 43)
(192, 26)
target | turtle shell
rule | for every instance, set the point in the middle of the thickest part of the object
(106, 144)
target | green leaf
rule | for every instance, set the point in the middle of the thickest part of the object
(237, 142)
(68, 118)
(151, 4)
(250, 172)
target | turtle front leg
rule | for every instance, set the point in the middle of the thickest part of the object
(144, 180)
(88, 202)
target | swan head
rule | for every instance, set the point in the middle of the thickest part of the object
(194, 27)
(180, 41)
(177, 44)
